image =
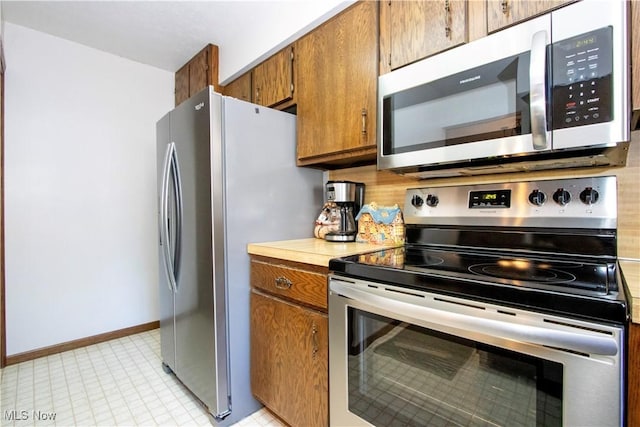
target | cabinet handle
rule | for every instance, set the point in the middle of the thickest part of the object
(364, 121)
(447, 18)
(504, 4)
(283, 283)
(314, 340)
(291, 71)
(257, 95)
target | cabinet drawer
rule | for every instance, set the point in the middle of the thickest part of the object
(306, 287)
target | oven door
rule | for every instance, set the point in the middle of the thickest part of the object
(404, 357)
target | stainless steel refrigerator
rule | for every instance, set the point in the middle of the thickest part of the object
(227, 176)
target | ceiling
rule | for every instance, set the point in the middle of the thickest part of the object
(166, 34)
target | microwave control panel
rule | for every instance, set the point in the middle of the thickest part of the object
(582, 69)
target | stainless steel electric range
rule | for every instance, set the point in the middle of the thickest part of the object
(505, 307)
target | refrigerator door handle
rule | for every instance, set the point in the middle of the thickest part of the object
(164, 214)
(177, 187)
(165, 233)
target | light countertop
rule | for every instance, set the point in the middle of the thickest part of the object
(631, 273)
(311, 251)
(319, 252)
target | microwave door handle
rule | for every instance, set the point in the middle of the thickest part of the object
(537, 91)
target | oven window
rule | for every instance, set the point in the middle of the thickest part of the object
(487, 102)
(405, 375)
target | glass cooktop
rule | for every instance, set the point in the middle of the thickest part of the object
(563, 276)
(587, 288)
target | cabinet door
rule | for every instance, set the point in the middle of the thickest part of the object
(502, 13)
(240, 88)
(412, 30)
(273, 79)
(289, 360)
(337, 81)
(198, 73)
(182, 84)
(198, 69)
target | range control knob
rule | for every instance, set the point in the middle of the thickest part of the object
(432, 200)
(417, 201)
(537, 198)
(562, 196)
(589, 196)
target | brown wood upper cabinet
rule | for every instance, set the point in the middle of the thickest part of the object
(272, 80)
(502, 13)
(412, 30)
(240, 88)
(198, 73)
(337, 66)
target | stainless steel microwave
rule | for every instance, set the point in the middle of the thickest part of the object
(549, 92)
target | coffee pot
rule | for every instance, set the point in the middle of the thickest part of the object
(348, 197)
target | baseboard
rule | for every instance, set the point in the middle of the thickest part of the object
(79, 343)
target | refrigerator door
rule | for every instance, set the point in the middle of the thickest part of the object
(166, 289)
(227, 177)
(267, 198)
(197, 355)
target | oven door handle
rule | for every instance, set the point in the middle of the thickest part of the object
(574, 341)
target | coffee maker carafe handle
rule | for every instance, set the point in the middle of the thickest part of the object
(359, 201)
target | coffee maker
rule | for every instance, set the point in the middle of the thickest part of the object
(349, 198)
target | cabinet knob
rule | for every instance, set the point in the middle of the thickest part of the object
(504, 4)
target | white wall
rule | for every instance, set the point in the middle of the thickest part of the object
(269, 27)
(80, 189)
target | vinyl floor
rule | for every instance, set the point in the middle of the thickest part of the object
(115, 383)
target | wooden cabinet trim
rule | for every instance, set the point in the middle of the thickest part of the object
(365, 156)
(291, 264)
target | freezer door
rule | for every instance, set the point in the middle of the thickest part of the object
(165, 199)
(197, 354)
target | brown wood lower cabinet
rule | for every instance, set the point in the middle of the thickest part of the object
(289, 346)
